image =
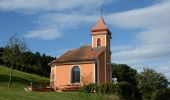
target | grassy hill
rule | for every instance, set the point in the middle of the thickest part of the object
(20, 80)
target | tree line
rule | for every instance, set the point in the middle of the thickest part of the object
(147, 85)
(34, 63)
(16, 55)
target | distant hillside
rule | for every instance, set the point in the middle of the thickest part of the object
(19, 78)
(30, 62)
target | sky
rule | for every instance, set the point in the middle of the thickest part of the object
(140, 28)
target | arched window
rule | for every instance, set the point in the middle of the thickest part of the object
(98, 42)
(75, 77)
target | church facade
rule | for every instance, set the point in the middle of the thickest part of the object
(87, 64)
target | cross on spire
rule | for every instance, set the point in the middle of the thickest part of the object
(101, 12)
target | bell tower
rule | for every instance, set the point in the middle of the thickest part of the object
(101, 36)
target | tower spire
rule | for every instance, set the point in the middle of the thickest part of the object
(101, 12)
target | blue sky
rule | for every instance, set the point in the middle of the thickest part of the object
(140, 28)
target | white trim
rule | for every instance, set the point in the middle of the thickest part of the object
(98, 72)
(105, 66)
(94, 73)
(70, 76)
(110, 73)
(55, 75)
(92, 42)
(105, 40)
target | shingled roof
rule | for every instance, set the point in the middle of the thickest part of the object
(100, 26)
(84, 53)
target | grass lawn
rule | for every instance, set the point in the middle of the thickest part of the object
(22, 80)
(20, 94)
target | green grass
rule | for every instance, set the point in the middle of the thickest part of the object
(20, 80)
(19, 77)
(20, 94)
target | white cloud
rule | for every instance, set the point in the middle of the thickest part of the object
(45, 34)
(150, 17)
(48, 5)
(66, 20)
(154, 22)
(55, 15)
(52, 25)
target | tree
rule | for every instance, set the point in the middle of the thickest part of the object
(1, 52)
(149, 80)
(125, 73)
(13, 50)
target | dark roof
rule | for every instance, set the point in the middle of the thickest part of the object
(84, 53)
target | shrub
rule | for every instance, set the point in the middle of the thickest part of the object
(111, 88)
(90, 88)
(101, 88)
(149, 80)
(124, 89)
(137, 93)
(161, 94)
(146, 95)
(107, 88)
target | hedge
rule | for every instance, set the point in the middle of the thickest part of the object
(124, 89)
(161, 94)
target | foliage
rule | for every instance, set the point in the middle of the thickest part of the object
(124, 73)
(111, 88)
(33, 63)
(17, 55)
(90, 88)
(107, 88)
(13, 51)
(149, 80)
(124, 89)
(101, 88)
(1, 53)
(161, 94)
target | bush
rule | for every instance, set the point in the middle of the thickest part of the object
(101, 88)
(107, 88)
(161, 94)
(124, 89)
(111, 88)
(137, 93)
(90, 88)
(146, 95)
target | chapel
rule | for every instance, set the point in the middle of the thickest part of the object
(87, 64)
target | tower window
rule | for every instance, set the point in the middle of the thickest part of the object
(98, 42)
